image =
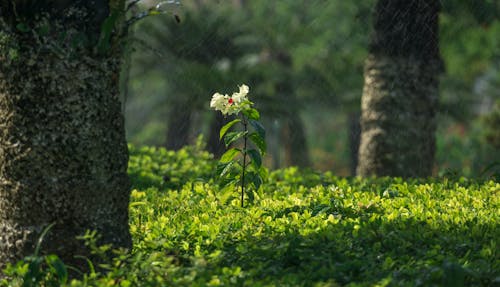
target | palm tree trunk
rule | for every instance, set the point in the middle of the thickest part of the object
(400, 94)
(63, 154)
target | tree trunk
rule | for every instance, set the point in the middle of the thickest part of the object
(179, 124)
(63, 154)
(294, 141)
(401, 90)
(354, 128)
(293, 133)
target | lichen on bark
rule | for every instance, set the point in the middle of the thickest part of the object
(63, 155)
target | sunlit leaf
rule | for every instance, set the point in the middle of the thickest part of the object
(229, 155)
(231, 137)
(227, 126)
(252, 114)
(224, 168)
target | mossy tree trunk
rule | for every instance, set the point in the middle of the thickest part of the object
(400, 93)
(63, 154)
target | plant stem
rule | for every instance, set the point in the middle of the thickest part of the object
(244, 161)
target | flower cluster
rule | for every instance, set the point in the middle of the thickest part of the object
(229, 105)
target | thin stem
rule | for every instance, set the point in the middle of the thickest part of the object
(244, 161)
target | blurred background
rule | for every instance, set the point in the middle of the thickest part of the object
(303, 61)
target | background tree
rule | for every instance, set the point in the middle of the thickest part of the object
(400, 93)
(327, 43)
(190, 56)
(63, 155)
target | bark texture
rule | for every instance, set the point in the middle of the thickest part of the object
(400, 93)
(63, 154)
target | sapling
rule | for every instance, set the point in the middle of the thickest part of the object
(241, 165)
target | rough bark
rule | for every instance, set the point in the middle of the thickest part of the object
(63, 154)
(401, 90)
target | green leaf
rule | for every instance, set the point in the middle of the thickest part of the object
(106, 31)
(259, 128)
(232, 137)
(256, 158)
(258, 141)
(224, 168)
(228, 183)
(227, 126)
(263, 173)
(257, 181)
(58, 267)
(252, 114)
(250, 195)
(22, 27)
(229, 155)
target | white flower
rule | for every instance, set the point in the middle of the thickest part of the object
(231, 105)
(244, 89)
(218, 101)
(241, 96)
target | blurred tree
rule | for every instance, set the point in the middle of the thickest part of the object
(401, 90)
(493, 126)
(63, 155)
(200, 52)
(274, 29)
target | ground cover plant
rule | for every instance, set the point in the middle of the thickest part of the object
(303, 229)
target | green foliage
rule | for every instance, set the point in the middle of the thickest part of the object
(305, 229)
(470, 155)
(150, 166)
(37, 270)
(232, 171)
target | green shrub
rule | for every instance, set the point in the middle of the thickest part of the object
(151, 166)
(304, 229)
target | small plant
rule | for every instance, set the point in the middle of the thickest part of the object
(36, 269)
(241, 165)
